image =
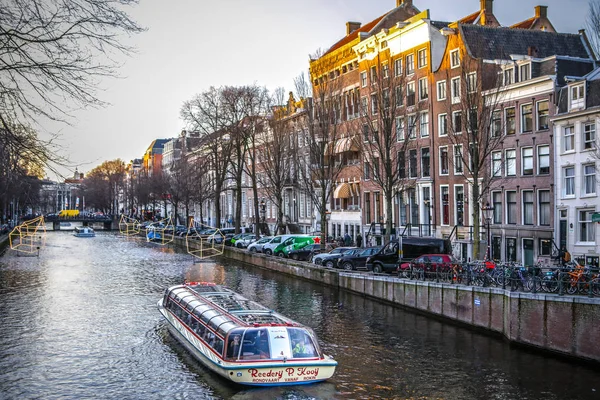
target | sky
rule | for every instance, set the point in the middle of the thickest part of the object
(191, 45)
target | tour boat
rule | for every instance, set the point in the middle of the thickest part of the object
(84, 231)
(242, 340)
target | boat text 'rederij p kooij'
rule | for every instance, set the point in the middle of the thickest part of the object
(242, 340)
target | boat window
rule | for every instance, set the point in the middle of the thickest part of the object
(255, 344)
(234, 344)
(302, 344)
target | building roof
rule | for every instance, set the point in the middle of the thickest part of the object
(400, 13)
(496, 43)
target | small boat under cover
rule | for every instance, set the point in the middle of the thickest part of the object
(84, 231)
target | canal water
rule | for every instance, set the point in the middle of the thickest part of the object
(80, 322)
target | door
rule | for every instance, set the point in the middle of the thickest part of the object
(528, 252)
(562, 234)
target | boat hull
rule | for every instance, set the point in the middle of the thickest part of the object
(264, 373)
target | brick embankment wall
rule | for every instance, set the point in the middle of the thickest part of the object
(567, 325)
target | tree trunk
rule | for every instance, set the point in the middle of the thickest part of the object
(388, 216)
(476, 219)
(217, 222)
(238, 207)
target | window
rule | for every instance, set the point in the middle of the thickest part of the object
(442, 125)
(412, 126)
(385, 70)
(441, 90)
(577, 96)
(496, 163)
(373, 75)
(472, 120)
(543, 160)
(542, 115)
(569, 181)
(508, 76)
(496, 123)
(458, 159)
(587, 233)
(459, 197)
(497, 205)
(455, 90)
(511, 162)
(589, 136)
(569, 139)
(385, 98)
(367, 171)
(399, 96)
(527, 207)
(545, 247)
(445, 206)
(544, 207)
(366, 132)
(425, 163)
(589, 179)
(399, 129)
(364, 105)
(422, 54)
(398, 67)
(511, 249)
(368, 218)
(526, 118)
(454, 58)
(424, 128)
(410, 64)
(423, 89)
(527, 160)
(412, 163)
(472, 82)
(509, 115)
(457, 122)
(401, 165)
(443, 160)
(374, 104)
(363, 78)
(410, 94)
(511, 207)
(524, 72)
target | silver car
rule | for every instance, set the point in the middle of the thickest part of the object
(329, 259)
(257, 246)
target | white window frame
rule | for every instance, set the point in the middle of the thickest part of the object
(592, 140)
(496, 158)
(514, 117)
(442, 187)
(508, 168)
(539, 157)
(568, 178)
(585, 192)
(577, 96)
(537, 115)
(398, 67)
(410, 66)
(423, 89)
(447, 161)
(522, 107)
(453, 93)
(456, 150)
(570, 137)
(419, 52)
(363, 79)
(454, 58)
(591, 226)
(462, 124)
(471, 82)
(441, 84)
(528, 69)
(442, 121)
(524, 211)
(531, 157)
(400, 129)
(424, 122)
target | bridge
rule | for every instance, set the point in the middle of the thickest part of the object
(108, 223)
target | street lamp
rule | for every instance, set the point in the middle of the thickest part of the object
(488, 213)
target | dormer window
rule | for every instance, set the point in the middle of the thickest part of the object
(508, 76)
(577, 96)
(524, 72)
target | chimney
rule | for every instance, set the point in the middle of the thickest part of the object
(541, 11)
(402, 2)
(351, 27)
(487, 5)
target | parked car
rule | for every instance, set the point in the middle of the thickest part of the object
(427, 263)
(308, 251)
(245, 240)
(388, 259)
(356, 259)
(218, 238)
(269, 248)
(329, 259)
(257, 246)
(292, 243)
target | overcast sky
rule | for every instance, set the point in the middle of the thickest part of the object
(191, 45)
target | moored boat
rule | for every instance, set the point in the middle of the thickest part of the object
(242, 340)
(84, 231)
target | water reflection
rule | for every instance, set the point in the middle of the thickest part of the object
(80, 321)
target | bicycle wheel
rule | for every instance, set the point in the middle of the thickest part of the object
(549, 284)
(595, 284)
(572, 287)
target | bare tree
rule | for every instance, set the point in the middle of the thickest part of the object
(103, 184)
(319, 166)
(475, 128)
(204, 113)
(593, 25)
(52, 55)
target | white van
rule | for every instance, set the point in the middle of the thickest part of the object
(269, 247)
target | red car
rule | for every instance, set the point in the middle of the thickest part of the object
(428, 263)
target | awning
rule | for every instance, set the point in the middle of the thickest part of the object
(596, 217)
(342, 191)
(345, 144)
(355, 189)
